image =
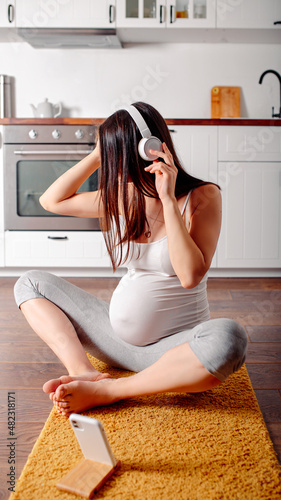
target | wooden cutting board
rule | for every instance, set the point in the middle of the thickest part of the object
(225, 102)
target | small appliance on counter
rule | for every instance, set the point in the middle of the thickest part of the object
(46, 109)
(5, 96)
(225, 102)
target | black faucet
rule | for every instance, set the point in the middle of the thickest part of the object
(278, 115)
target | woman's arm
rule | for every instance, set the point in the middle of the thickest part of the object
(62, 197)
(191, 250)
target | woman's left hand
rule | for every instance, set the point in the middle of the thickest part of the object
(165, 173)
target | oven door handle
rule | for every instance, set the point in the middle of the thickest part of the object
(66, 152)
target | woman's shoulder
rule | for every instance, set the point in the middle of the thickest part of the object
(205, 191)
(206, 195)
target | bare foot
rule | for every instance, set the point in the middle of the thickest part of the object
(93, 376)
(80, 395)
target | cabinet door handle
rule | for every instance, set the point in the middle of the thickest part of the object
(111, 13)
(10, 13)
(277, 22)
(57, 237)
(162, 14)
(172, 130)
(172, 14)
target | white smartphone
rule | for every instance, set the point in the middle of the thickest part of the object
(92, 439)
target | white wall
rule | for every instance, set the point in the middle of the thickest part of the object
(175, 78)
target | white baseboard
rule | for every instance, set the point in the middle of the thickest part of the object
(99, 272)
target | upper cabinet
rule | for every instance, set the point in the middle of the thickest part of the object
(141, 13)
(66, 14)
(248, 13)
(191, 13)
(175, 20)
(166, 13)
(7, 14)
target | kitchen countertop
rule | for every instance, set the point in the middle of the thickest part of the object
(274, 122)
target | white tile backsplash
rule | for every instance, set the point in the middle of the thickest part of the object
(175, 78)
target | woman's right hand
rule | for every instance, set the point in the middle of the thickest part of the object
(165, 173)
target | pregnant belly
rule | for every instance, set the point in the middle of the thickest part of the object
(145, 308)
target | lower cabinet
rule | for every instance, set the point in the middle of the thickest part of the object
(55, 249)
(251, 221)
(196, 147)
(244, 161)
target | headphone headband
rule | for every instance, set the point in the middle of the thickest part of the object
(139, 121)
(148, 141)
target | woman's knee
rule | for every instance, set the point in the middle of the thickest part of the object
(222, 345)
(236, 342)
(26, 287)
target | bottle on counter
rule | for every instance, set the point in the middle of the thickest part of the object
(5, 97)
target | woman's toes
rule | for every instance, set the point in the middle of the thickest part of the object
(60, 410)
(52, 385)
(61, 392)
(63, 405)
(66, 413)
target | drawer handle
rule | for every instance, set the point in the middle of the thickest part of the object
(111, 13)
(10, 13)
(65, 152)
(162, 11)
(57, 237)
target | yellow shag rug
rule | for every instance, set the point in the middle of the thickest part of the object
(212, 445)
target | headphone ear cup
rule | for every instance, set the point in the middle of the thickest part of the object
(146, 144)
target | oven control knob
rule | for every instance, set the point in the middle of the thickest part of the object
(32, 134)
(79, 134)
(56, 134)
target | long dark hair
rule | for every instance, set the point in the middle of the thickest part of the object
(120, 163)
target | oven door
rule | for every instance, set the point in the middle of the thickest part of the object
(28, 171)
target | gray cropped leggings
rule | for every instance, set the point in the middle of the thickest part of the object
(220, 344)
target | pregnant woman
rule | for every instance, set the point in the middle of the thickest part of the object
(163, 225)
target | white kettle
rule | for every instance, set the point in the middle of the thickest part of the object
(46, 109)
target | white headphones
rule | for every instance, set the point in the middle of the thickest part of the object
(148, 141)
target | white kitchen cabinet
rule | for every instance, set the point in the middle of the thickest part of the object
(65, 14)
(2, 261)
(55, 249)
(141, 13)
(7, 13)
(251, 228)
(249, 143)
(249, 173)
(248, 13)
(244, 160)
(197, 149)
(191, 13)
(166, 13)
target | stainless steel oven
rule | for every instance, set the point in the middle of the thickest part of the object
(34, 156)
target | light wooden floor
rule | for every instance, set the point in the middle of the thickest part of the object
(26, 363)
